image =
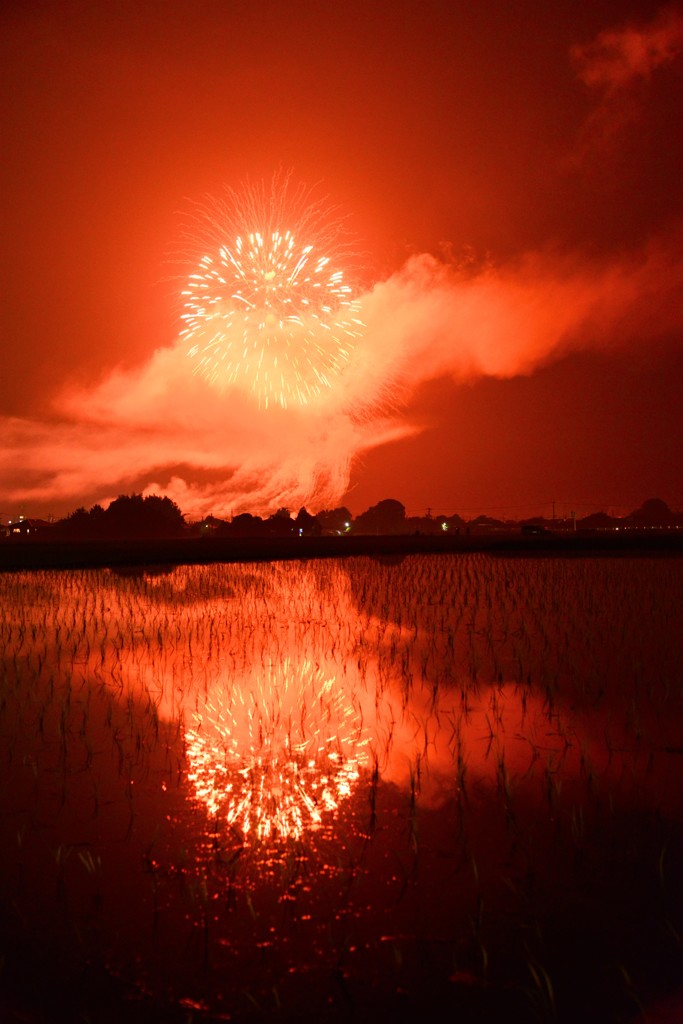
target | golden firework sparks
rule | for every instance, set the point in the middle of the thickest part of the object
(268, 310)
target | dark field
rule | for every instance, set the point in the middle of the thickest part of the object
(93, 554)
(432, 787)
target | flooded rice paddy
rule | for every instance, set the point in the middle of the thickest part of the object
(343, 790)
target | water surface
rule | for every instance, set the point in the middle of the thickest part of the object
(349, 789)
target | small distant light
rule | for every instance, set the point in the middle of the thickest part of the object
(301, 532)
(347, 525)
(444, 527)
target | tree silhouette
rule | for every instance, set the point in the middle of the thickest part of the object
(127, 516)
(387, 516)
(335, 520)
(653, 512)
(305, 524)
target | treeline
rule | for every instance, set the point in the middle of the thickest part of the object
(135, 516)
(386, 517)
(127, 516)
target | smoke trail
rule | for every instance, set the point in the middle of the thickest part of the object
(159, 428)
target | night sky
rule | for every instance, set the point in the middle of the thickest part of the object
(510, 175)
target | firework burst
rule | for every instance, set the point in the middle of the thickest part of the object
(268, 310)
(271, 759)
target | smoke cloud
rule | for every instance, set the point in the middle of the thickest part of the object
(618, 57)
(618, 66)
(159, 429)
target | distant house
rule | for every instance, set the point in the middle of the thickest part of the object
(25, 528)
(534, 528)
(210, 525)
(599, 521)
(486, 523)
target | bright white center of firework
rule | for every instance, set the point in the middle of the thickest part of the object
(269, 316)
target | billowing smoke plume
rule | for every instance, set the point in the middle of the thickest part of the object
(159, 428)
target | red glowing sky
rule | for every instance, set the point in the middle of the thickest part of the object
(542, 139)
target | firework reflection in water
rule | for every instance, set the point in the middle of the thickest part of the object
(271, 755)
